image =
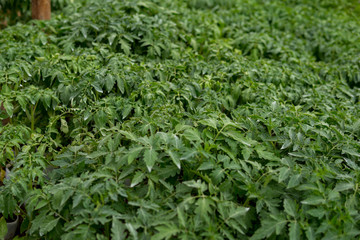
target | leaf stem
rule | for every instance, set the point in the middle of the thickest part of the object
(220, 131)
(33, 109)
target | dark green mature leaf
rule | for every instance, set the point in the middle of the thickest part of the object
(239, 137)
(266, 155)
(125, 46)
(109, 82)
(290, 207)
(48, 226)
(246, 152)
(134, 153)
(204, 207)
(294, 231)
(138, 177)
(166, 232)
(265, 231)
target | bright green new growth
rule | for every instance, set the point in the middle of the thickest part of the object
(183, 119)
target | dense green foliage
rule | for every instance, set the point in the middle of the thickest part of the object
(183, 119)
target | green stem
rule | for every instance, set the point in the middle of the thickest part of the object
(220, 132)
(33, 117)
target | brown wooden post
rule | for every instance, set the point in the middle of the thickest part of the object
(41, 9)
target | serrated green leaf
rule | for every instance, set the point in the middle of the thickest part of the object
(125, 46)
(117, 230)
(294, 181)
(48, 226)
(181, 217)
(109, 82)
(132, 230)
(290, 207)
(313, 200)
(120, 84)
(26, 70)
(246, 152)
(206, 166)
(239, 137)
(344, 186)
(310, 233)
(294, 231)
(209, 122)
(100, 119)
(318, 212)
(166, 232)
(286, 144)
(138, 177)
(265, 231)
(9, 108)
(267, 155)
(239, 211)
(192, 135)
(129, 135)
(22, 101)
(283, 174)
(134, 153)
(351, 152)
(175, 158)
(204, 207)
(150, 157)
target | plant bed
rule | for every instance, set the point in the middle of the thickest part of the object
(183, 120)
